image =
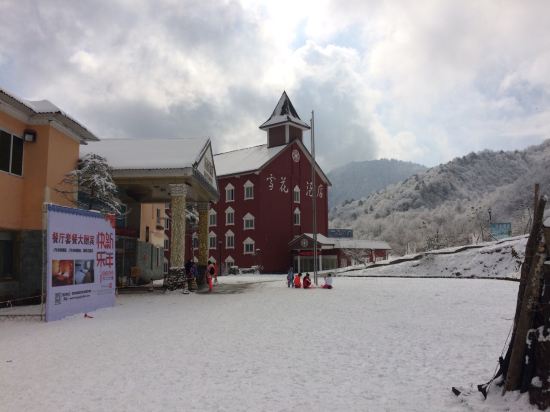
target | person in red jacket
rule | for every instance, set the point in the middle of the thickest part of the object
(210, 272)
(298, 280)
(307, 281)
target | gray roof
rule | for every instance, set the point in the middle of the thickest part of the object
(347, 243)
(139, 154)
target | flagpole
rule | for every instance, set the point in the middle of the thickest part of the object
(314, 198)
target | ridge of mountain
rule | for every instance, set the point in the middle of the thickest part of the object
(359, 179)
(447, 204)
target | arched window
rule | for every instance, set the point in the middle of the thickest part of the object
(297, 217)
(229, 216)
(212, 240)
(212, 218)
(296, 194)
(248, 221)
(248, 246)
(229, 240)
(229, 193)
(248, 190)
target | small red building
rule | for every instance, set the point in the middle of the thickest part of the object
(266, 196)
(336, 252)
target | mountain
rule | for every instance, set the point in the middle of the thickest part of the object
(359, 179)
(447, 204)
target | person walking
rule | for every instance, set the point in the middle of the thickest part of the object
(290, 277)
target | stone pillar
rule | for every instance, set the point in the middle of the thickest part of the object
(177, 248)
(203, 238)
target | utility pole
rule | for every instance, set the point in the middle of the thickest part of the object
(314, 198)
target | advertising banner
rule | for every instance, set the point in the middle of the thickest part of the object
(80, 261)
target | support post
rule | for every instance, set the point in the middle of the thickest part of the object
(178, 192)
(203, 239)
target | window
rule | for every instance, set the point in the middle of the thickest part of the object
(146, 233)
(248, 190)
(166, 244)
(195, 241)
(297, 217)
(229, 216)
(166, 223)
(165, 267)
(212, 240)
(11, 153)
(248, 221)
(248, 246)
(212, 218)
(296, 194)
(229, 193)
(6, 255)
(229, 240)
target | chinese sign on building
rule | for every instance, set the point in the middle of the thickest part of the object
(80, 262)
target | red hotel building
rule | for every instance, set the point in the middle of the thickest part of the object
(266, 196)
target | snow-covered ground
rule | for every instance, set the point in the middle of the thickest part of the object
(373, 344)
(500, 259)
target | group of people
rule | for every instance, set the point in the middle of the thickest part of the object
(296, 281)
(192, 272)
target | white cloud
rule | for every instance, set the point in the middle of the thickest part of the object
(421, 81)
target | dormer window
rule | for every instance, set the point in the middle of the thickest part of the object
(229, 193)
(248, 190)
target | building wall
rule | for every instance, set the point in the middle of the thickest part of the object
(156, 226)
(45, 162)
(276, 136)
(273, 209)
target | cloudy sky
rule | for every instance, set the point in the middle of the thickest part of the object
(424, 81)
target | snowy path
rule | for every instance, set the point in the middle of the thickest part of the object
(368, 345)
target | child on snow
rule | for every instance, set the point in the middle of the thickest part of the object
(307, 281)
(328, 282)
(210, 271)
(298, 280)
(290, 277)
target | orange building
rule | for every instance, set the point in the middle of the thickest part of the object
(39, 144)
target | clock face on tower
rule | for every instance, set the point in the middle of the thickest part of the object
(296, 155)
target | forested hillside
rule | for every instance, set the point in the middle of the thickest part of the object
(359, 179)
(448, 204)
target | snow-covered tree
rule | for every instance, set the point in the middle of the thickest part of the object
(91, 185)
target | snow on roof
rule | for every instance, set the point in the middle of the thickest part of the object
(37, 107)
(547, 222)
(343, 243)
(322, 239)
(42, 106)
(347, 243)
(284, 112)
(148, 153)
(244, 160)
